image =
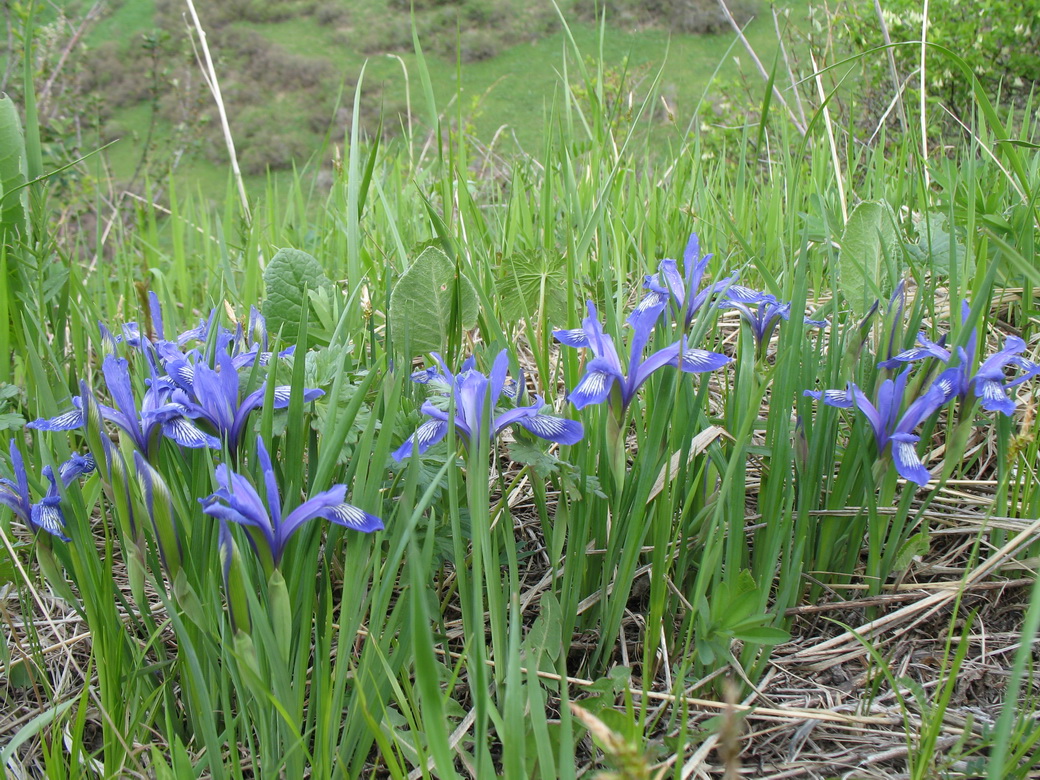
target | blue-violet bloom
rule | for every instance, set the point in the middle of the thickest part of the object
(158, 412)
(683, 291)
(474, 392)
(889, 427)
(605, 373)
(766, 314)
(214, 396)
(46, 514)
(237, 501)
(989, 383)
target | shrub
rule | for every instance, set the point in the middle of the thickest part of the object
(477, 45)
(687, 16)
(391, 34)
(999, 41)
(419, 5)
(328, 14)
(273, 148)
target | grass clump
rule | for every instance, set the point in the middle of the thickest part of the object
(532, 465)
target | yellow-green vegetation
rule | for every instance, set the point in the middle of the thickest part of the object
(648, 447)
(288, 70)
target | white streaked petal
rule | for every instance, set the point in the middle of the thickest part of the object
(701, 360)
(48, 516)
(187, 434)
(908, 464)
(592, 389)
(428, 432)
(555, 429)
(544, 424)
(350, 516)
(183, 373)
(650, 301)
(66, 421)
(575, 337)
(993, 391)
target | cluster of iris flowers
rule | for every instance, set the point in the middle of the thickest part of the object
(468, 401)
(894, 431)
(675, 297)
(45, 514)
(193, 396)
(182, 389)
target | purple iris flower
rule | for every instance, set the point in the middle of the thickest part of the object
(683, 292)
(158, 412)
(888, 425)
(989, 383)
(213, 396)
(45, 514)
(246, 346)
(131, 331)
(765, 315)
(237, 501)
(474, 393)
(927, 349)
(605, 373)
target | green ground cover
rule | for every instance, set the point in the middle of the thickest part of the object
(510, 89)
(514, 505)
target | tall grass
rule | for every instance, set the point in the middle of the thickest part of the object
(659, 555)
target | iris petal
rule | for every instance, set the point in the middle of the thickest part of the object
(47, 515)
(425, 436)
(593, 388)
(908, 464)
(556, 429)
(700, 360)
(66, 421)
(351, 516)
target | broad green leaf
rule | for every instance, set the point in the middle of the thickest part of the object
(423, 303)
(869, 236)
(533, 283)
(13, 208)
(544, 641)
(937, 247)
(762, 635)
(290, 278)
(9, 421)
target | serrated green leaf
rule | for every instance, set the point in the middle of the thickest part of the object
(289, 279)
(423, 302)
(937, 247)
(869, 235)
(532, 455)
(533, 283)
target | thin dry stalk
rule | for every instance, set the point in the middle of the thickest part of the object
(893, 72)
(761, 68)
(209, 73)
